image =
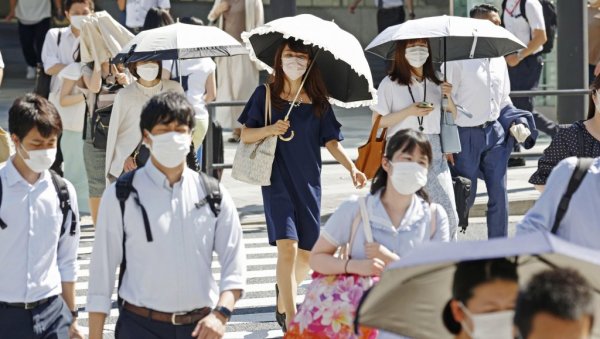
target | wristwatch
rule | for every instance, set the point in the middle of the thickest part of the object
(224, 311)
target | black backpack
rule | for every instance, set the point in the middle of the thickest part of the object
(43, 80)
(579, 173)
(65, 204)
(124, 188)
(550, 20)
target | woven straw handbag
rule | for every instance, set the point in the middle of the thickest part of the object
(253, 163)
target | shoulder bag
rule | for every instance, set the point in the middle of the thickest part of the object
(253, 163)
(371, 153)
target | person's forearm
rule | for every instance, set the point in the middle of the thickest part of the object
(538, 39)
(409, 6)
(58, 5)
(13, 5)
(54, 70)
(325, 263)
(1, 75)
(393, 119)
(229, 298)
(96, 322)
(252, 135)
(72, 99)
(337, 151)
(68, 294)
(452, 108)
(540, 188)
(121, 4)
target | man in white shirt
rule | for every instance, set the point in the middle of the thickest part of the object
(136, 10)
(34, 22)
(389, 12)
(525, 67)
(39, 230)
(166, 229)
(481, 88)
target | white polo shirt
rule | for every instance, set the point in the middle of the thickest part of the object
(54, 53)
(517, 24)
(481, 87)
(136, 10)
(30, 12)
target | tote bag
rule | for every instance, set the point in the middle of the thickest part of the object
(253, 163)
(331, 301)
(371, 153)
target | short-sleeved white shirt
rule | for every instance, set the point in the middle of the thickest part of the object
(136, 10)
(414, 230)
(54, 53)
(393, 97)
(30, 12)
(197, 71)
(72, 116)
(517, 24)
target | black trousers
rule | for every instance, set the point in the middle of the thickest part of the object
(48, 321)
(387, 17)
(32, 40)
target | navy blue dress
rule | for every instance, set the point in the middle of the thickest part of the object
(293, 201)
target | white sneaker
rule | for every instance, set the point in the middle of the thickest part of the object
(30, 73)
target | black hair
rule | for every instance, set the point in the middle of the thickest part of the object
(69, 3)
(33, 111)
(481, 10)
(406, 140)
(471, 274)
(560, 292)
(165, 108)
(191, 20)
(594, 87)
(157, 17)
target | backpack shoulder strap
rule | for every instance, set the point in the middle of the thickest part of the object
(523, 12)
(213, 193)
(581, 144)
(2, 223)
(583, 165)
(124, 188)
(65, 203)
(59, 37)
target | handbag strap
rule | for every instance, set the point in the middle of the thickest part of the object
(267, 105)
(346, 249)
(374, 129)
(365, 218)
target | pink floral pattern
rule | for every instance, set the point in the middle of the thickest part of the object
(329, 308)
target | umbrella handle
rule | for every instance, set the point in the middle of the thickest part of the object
(282, 138)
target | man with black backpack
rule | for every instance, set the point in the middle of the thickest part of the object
(161, 223)
(568, 207)
(39, 230)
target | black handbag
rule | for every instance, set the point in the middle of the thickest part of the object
(462, 192)
(43, 80)
(101, 117)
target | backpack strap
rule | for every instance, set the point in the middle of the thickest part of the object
(523, 12)
(59, 37)
(2, 223)
(581, 144)
(213, 193)
(65, 203)
(583, 165)
(124, 188)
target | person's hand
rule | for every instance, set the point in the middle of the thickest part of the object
(279, 128)
(512, 60)
(210, 327)
(122, 79)
(10, 16)
(359, 179)
(375, 250)
(368, 267)
(597, 69)
(129, 165)
(352, 8)
(223, 7)
(450, 158)
(520, 132)
(74, 332)
(446, 89)
(417, 111)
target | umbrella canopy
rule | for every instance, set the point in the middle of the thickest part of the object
(179, 41)
(341, 59)
(412, 293)
(102, 37)
(465, 38)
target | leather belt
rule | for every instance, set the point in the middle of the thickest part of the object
(484, 125)
(183, 318)
(29, 306)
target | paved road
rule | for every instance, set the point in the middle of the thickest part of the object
(254, 315)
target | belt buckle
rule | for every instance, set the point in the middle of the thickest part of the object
(174, 315)
(30, 306)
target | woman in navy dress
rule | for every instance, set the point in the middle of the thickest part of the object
(293, 200)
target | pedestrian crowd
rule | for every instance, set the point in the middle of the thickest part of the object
(123, 142)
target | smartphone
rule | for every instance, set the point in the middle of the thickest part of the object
(425, 104)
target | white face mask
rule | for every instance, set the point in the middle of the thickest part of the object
(148, 72)
(38, 160)
(408, 177)
(170, 149)
(496, 325)
(416, 56)
(293, 67)
(77, 21)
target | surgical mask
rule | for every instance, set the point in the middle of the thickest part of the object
(170, 149)
(293, 67)
(77, 20)
(495, 325)
(416, 56)
(38, 160)
(408, 177)
(148, 72)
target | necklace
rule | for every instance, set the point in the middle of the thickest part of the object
(420, 119)
(290, 100)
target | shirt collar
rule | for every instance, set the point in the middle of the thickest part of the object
(13, 176)
(158, 177)
(380, 218)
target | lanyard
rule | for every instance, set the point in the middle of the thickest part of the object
(511, 11)
(420, 119)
